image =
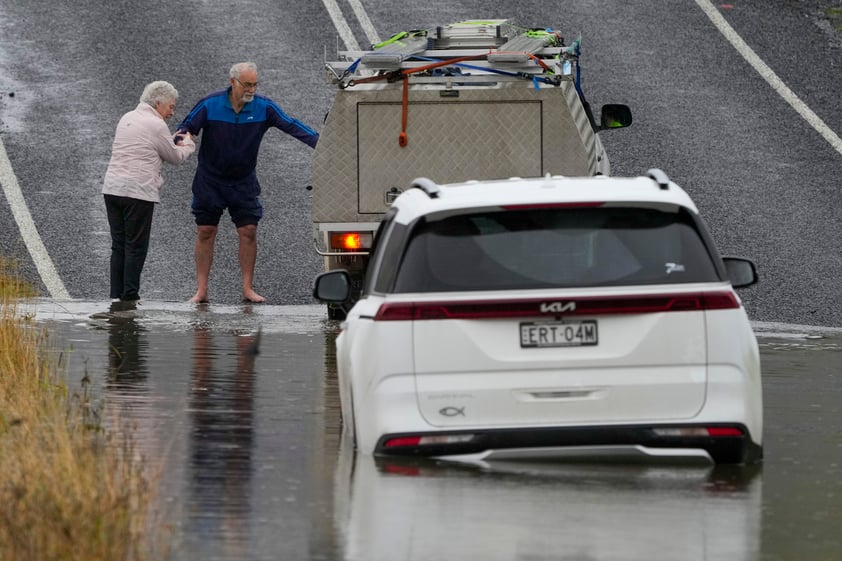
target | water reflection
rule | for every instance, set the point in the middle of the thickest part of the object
(322, 540)
(421, 511)
(127, 355)
(253, 471)
(221, 407)
(126, 380)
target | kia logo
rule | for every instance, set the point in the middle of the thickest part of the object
(557, 307)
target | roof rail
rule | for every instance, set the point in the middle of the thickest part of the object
(659, 177)
(427, 185)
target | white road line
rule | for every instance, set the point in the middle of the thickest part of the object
(366, 24)
(28, 232)
(763, 69)
(341, 25)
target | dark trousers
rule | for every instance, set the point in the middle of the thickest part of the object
(131, 223)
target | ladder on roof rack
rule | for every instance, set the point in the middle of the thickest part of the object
(473, 33)
(389, 54)
(520, 47)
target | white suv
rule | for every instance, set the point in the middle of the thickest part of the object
(549, 317)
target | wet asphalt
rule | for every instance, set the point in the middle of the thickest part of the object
(764, 179)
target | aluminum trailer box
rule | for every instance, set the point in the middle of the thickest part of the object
(471, 100)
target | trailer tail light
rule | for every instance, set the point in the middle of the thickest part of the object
(351, 241)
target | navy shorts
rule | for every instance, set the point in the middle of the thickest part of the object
(211, 197)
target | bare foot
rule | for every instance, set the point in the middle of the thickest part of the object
(199, 298)
(253, 297)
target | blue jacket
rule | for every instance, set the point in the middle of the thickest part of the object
(231, 141)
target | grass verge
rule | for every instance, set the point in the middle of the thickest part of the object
(835, 17)
(68, 489)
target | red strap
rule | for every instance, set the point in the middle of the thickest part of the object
(403, 140)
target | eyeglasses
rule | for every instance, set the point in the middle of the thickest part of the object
(248, 85)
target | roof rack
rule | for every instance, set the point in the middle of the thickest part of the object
(473, 50)
(427, 185)
(659, 177)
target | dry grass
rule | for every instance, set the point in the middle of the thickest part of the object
(12, 285)
(68, 490)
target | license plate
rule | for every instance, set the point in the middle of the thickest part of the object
(558, 334)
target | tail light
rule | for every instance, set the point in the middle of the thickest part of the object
(697, 431)
(496, 309)
(428, 440)
(351, 241)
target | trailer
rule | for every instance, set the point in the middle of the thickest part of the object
(469, 100)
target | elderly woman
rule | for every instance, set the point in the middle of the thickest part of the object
(133, 183)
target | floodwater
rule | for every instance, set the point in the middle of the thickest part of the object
(238, 409)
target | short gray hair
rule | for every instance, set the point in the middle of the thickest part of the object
(158, 91)
(239, 67)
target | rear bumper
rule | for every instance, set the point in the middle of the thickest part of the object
(622, 443)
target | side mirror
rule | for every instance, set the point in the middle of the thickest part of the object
(741, 272)
(615, 116)
(332, 287)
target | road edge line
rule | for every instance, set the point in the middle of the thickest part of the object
(769, 75)
(37, 251)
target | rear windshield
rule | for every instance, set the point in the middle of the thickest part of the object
(550, 248)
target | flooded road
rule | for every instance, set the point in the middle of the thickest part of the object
(237, 407)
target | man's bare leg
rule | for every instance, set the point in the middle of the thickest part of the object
(248, 257)
(205, 239)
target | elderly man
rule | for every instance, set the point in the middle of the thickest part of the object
(234, 121)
